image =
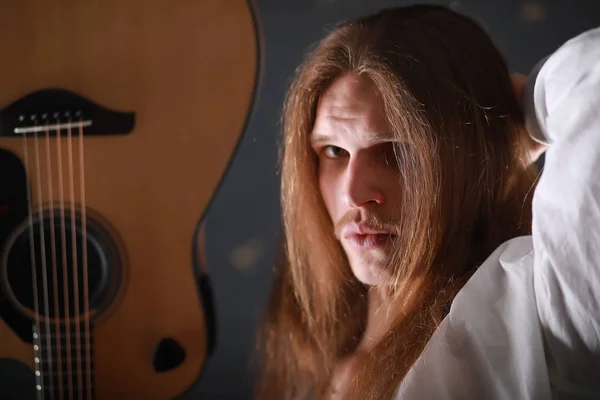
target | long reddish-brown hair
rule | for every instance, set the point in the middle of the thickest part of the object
(447, 94)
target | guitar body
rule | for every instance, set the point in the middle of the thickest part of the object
(182, 74)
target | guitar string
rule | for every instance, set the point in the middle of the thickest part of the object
(37, 332)
(86, 304)
(38, 173)
(63, 233)
(54, 265)
(76, 312)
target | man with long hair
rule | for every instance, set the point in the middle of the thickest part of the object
(411, 268)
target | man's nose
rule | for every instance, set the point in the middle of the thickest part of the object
(362, 184)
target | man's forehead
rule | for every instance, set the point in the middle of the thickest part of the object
(349, 90)
(351, 104)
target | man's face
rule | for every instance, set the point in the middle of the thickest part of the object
(358, 174)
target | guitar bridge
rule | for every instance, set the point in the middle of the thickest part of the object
(59, 112)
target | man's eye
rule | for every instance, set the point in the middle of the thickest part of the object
(389, 155)
(333, 151)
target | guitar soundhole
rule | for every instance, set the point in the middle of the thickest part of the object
(59, 267)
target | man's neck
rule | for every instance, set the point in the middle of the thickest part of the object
(377, 324)
(378, 318)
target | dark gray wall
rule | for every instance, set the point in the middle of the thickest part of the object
(243, 222)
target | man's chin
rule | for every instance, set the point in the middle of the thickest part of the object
(371, 274)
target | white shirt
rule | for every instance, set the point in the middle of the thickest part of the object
(527, 324)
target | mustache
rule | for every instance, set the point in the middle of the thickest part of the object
(366, 218)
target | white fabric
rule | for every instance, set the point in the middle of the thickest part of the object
(527, 324)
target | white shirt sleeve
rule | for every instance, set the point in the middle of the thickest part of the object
(565, 112)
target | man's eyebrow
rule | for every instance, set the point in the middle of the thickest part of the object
(388, 136)
(318, 138)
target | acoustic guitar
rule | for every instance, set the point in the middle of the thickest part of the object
(118, 119)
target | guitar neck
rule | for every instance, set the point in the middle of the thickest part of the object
(64, 362)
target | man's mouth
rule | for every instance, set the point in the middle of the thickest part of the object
(369, 240)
